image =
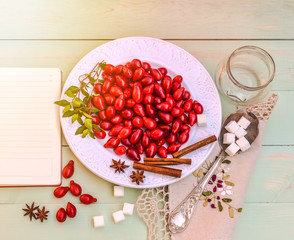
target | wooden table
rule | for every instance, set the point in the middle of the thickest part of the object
(58, 33)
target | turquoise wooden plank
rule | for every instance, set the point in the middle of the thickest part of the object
(91, 19)
(280, 126)
(89, 182)
(266, 221)
(14, 226)
(273, 176)
(66, 54)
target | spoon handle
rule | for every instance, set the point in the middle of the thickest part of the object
(181, 215)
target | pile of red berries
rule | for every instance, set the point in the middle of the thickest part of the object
(143, 109)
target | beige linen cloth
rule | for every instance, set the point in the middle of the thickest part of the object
(154, 205)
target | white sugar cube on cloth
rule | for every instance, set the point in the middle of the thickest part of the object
(232, 149)
(128, 208)
(201, 120)
(118, 216)
(240, 132)
(228, 138)
(98, 221)
(243, 144)
(118, 191)
(232, 126)
(244, 122)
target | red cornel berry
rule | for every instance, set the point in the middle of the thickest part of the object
(87, 199)
(61, 215)
(75, 188)
(68, 170)
(142, 109)
(71, 210)
(60, 192)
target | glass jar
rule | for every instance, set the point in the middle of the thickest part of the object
(245, 76)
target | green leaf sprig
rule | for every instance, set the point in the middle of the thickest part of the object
(78, 108)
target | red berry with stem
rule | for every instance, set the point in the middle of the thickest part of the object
(71, 210)
(120, 150)
(162, 152)
(60, 192)
(99, 134)
(68, 170)
(87, 199)
(75, 188)
(61, 215)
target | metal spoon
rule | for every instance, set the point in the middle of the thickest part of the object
(180, 217)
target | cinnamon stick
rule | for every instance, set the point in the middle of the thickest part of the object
(172, 160)
(160, 170)
(195, 146)
(161, 163)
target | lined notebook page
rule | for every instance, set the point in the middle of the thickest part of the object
(30, 136)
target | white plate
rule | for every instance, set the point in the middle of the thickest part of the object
(158, 53)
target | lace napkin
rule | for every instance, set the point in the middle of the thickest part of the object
(221, 202)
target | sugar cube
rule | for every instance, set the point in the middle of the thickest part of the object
(228, 138)
(240, 132)
(243, 144)
(232, 126)
(128, 208)
(118, 191)
(98, 221)
(201, 120)
(243, 122)
(232, 149)
(118, 216)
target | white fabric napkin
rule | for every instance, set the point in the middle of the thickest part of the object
(209, 223)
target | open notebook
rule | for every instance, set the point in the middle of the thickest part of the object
(30, 136)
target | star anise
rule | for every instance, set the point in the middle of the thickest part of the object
(119, 166)
(30, 211)
(42, 214)
(137, 176)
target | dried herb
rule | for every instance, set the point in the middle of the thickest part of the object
(30, 211)
(220, 206)
(80, 107)
(217, 188)
(119, 166)
(137, 176)
(42, 214)
(227, 200)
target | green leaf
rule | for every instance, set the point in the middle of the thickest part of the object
(80, 121)
(85, 109)
(239, 209)
(85, 133)
(86, 100)
(92, 134)
(62, 103)
(208, 193)
(227, 200)
(77, 103)
(83, 85)
(80, 130)
(88, 123)
(102, 64)
(73, 89)
(226, 161)
(92, 80)
(70, 94)
(95, 110)
(85, 93)
(74, 117)
(101, 80)
(220, 207)
(66, 108)
(97, 128)
(87, 115)
(68, 113)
